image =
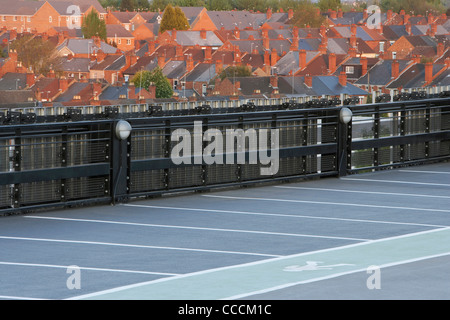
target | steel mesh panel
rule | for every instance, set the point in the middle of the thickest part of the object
(289, 166)
(328, 133)
(40, 192)
(290, 133)
(312, 132)
(362, 128)
(40, 153)
(149, 180)
(415, 122)
(85, 188)
(84, 149)
(311, 164)
(328, 163)
(445, 148)
(251, 171)
(385, 155)
(147, 144)
(362, 158)
(4, 155)
(415, 151)
(445, 119)
(222, 173)
(5, 198)
(180, 177)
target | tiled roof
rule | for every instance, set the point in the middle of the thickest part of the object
(380, 74)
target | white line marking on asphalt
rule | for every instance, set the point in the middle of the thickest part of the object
(366, 192)
(85, 268)
(137, 246)
(401, 182)
(186, 275)
(287, 215)
(328, 203)
(335, 275)
(20, 298)
(423, 171)
(202, 228)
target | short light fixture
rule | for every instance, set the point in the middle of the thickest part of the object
(345, 115)
(123, 130)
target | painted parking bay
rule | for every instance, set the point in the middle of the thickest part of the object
(267, 275)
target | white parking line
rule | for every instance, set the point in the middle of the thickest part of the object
(328, 203)
(423, 171)
(286, 215)
(203, 228)
(400, 182)
(137, 246)
(85, 268)
(367, 192)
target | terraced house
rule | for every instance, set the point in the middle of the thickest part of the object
(41, 16)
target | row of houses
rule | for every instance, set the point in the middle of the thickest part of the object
(347, 57)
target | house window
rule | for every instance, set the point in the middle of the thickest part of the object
(28, 19)
(122, 96)
(128, 41)
(349, 69)
(119, 41)
(15, 18)
(50, 19)
(76, 97)
(394, 55)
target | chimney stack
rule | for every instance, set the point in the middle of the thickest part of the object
(219, 66)
(389, 15)
(237, 33)
(189, 63)
(308, 81)
(179, 52)
(332, 62)
(363, 65)
(203, 34)
(343, 78)
(428, 72)
(63, 84)
(208, 55)
(290, 14)
(302, 59)
(395, 69)
(269, 14)
(274, 81)
(273, 57)
(30, 79)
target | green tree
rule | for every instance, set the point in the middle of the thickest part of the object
(413, 6)
(324, 5)
(305, 14)
(173, 18)
(181, 22)
(143, 79)
(143, 4)
(235, 71)
(37, 54)
(127, 5)
(93, 26)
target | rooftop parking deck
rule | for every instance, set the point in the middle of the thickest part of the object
(312, 239)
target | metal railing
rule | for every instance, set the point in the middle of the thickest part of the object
(74, 157)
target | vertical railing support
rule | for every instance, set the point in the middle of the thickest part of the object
(344, 140)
